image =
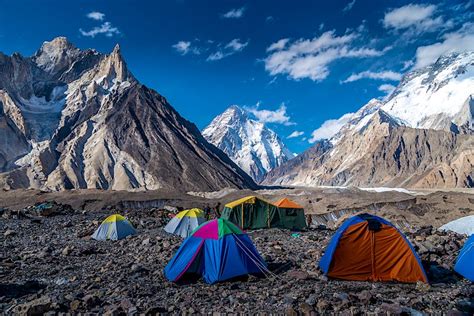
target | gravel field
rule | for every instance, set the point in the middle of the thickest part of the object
(49, 263)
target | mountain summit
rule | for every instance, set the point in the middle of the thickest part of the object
(421, 136)
(249, 143)
(77, 119)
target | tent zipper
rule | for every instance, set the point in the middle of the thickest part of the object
(372, 253)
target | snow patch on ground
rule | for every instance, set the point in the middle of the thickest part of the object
(384, 189)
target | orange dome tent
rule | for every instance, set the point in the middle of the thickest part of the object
(370, 248)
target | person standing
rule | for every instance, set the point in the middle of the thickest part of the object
(207, 212)
(217, 209)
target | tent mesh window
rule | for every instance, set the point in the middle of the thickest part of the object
(290, 212)
(374, 225)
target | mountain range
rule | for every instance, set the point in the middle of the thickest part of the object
(79, 119)
(250, 144)
(420, 136)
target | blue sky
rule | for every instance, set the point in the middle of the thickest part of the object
(296, 66)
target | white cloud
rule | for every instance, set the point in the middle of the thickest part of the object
(387, 88)
(235, 45)
(106, 28)
(215, 56)
(94, 15)
(229, 49)
(310, 58)
(234, 13)
(321, 26)
(349, 6)
(274, 79)
(382, 75)
(419, 17)
(278, 45)
(278, 116)
(182, 47)
(185, 47)
(459, 41)
(330, 128)
(295, 134)
(407, 64)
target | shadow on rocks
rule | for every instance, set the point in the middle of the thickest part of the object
(280, 267)
(15, 290)
(439, 274)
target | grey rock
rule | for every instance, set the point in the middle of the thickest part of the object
(9, 233)
(311, 300)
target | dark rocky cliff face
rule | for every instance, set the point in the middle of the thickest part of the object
(80, 119)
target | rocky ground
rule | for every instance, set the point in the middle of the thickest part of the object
(49, 263)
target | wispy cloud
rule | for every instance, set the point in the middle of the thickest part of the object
(274, 79)
(234, 46)
(278, 45)
(310, 58)
(106, 29)
(216, 56)
(407, 64)
(330, 128)
(94, 15)
(278, 116)
(185, 47)
(382, 75)
(414, 17)
(234, 13)
(182, 47)
(460, 41)
(295, 134)
(387, 88)
(349, 6)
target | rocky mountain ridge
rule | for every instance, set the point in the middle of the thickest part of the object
(421, 136)
(77, 119)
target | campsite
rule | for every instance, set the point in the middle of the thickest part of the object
(237, 157)
(63, 268)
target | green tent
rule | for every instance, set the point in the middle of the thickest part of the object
(252, 212)
(291, 214)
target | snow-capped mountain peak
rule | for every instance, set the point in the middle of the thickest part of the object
(434, 96)
(438, 96)
(249, 143)
(420, 136)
